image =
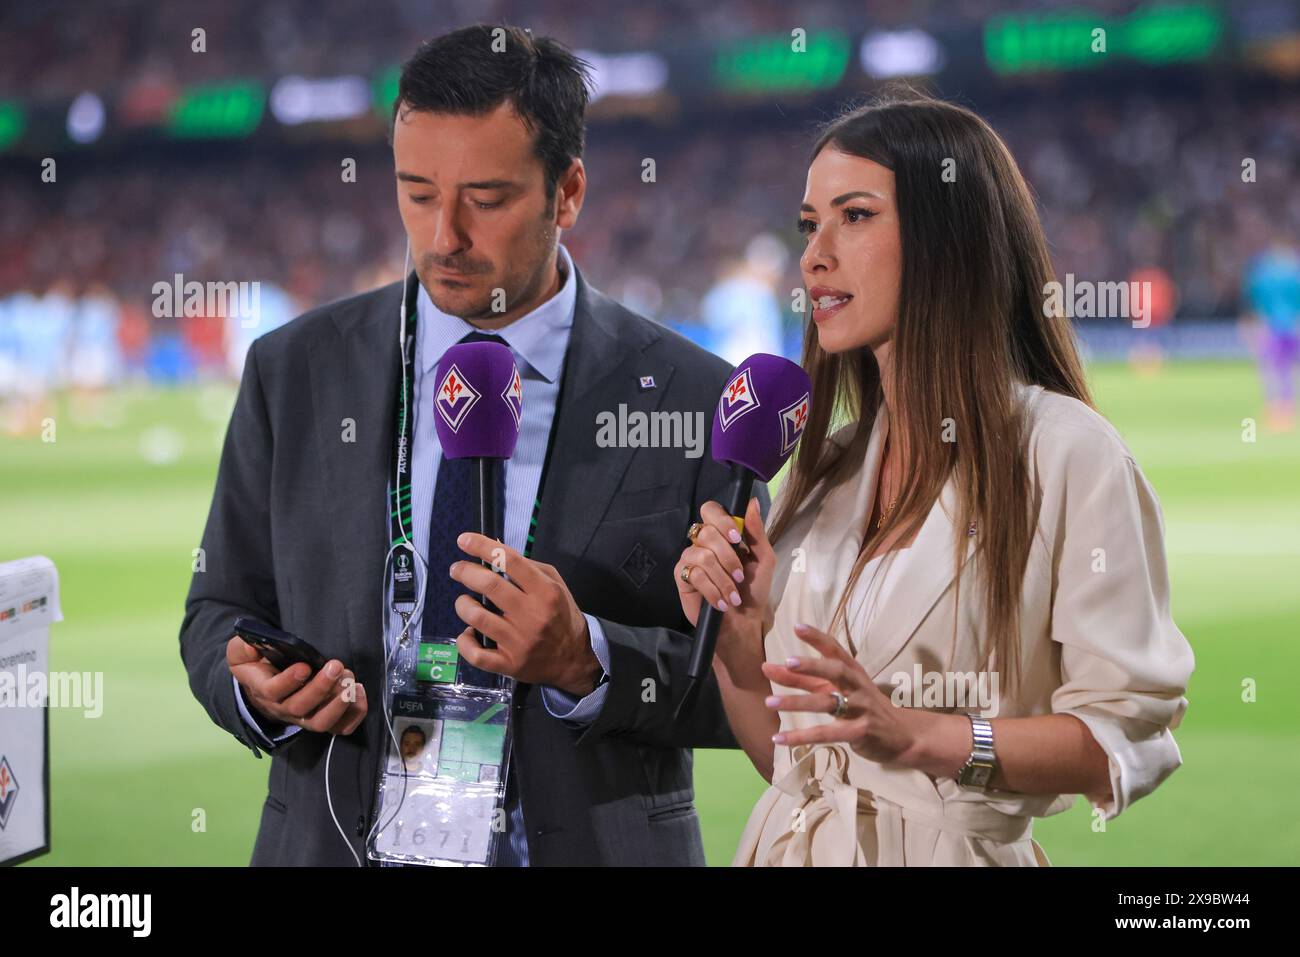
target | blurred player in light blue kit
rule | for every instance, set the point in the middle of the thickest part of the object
(1272, 289)
(34, 338)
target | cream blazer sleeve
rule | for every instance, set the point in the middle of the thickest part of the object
(1124, 663)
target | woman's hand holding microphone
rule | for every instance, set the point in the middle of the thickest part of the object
(734, 579)
(738, 581)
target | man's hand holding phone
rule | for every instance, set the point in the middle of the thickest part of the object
(332, 701)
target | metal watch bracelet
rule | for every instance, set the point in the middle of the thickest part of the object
(978, 770)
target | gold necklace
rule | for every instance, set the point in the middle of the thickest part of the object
(884, 455)
(880, 523)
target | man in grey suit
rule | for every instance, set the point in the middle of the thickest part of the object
(487, 141)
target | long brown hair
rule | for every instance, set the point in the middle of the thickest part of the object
(971, 321)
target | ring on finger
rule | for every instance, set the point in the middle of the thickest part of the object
(685, 574)
(841, 705)
(694, 532)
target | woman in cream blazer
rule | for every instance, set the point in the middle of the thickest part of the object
(1097, 575)
(873, 719)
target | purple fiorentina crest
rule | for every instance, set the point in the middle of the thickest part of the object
(8, 791)
(737, 399)
(793, 419)
(455, 398)
(514, 396)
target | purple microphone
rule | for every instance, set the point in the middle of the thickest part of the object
(761, 414)
(478, 405)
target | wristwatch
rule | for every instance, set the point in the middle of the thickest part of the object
(978, 770)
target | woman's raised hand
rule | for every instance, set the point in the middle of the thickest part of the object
(730, 570)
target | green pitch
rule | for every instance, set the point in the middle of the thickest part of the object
(119, 505)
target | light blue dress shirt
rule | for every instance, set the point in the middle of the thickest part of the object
(539, 341)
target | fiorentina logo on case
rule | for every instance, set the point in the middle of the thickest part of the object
(514, 396)
(8, 791)
(793, 418)
(455, 398)
(737, 399)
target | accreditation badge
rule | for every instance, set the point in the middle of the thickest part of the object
(441, 788)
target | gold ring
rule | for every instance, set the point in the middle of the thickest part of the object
(685, 574)
(694, 532)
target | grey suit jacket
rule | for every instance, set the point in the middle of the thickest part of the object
(297, 536)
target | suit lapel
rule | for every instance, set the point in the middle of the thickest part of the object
(927, 570)
(835, 537)
(582, 478)
(927, 574)
(354, 377)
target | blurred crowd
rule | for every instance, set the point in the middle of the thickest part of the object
(1182, 182)
(61, 47)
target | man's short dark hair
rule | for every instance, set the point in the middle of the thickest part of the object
(474, 70)
(417, 729)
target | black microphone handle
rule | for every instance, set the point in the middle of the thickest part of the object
(710, 620)
(490, 512)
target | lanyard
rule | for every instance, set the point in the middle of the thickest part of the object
(400, 515)
(399, 504)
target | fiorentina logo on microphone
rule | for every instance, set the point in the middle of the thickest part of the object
(737, 399)
(793, 418)
(514, 396)
(8, 791)
(455, 398)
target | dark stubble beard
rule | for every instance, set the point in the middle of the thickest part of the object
(538, 280)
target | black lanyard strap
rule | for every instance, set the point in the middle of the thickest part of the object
(401, 513)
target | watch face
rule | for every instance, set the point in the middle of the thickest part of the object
(980, 776)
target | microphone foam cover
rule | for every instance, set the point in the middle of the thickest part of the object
(761, 414)
(478, 402)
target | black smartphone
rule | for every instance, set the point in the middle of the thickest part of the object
(278, 647)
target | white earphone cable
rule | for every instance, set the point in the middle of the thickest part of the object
(422, 573)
